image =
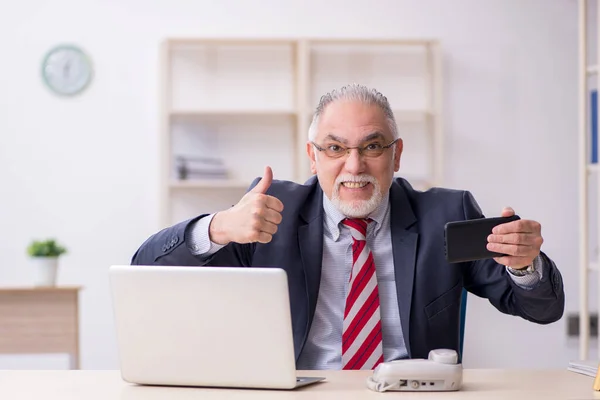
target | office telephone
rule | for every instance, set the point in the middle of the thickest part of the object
(439, 372)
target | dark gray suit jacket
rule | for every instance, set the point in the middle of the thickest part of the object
(428, 288)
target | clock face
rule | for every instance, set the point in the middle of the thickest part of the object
(67, 70)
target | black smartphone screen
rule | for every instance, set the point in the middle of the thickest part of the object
(467, 240)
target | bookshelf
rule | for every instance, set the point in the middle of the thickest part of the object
(231, 106)
(589, 175)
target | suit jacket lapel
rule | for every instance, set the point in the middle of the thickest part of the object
(310, 238)
(404, 244)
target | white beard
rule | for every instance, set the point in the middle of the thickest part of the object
(356, 208)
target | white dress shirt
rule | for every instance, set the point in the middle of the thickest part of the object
(323, 349)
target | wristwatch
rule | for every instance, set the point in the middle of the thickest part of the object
(522, 272)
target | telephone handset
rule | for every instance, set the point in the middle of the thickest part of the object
(439, 372)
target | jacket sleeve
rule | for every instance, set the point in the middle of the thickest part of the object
(169, 247)
(541, 304)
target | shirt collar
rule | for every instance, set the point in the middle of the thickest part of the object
(333, 216)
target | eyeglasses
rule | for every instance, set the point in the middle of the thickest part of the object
(370, 150)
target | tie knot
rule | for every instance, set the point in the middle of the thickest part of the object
(358, 227)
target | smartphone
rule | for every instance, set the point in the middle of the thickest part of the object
(467, 240)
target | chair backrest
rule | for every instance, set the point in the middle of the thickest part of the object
(463, 316)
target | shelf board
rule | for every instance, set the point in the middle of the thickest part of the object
(401, 115)
(231, 113)
(373, 41)
(232, 41)
(178, 41)
(592, 69)
(208, 184)
(592, 167)
(593, 267)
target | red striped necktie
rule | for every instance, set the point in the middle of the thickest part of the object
(361, 337)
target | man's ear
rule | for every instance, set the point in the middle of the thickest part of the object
(399, 146)
(310, 150)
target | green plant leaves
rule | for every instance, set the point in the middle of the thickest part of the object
(45, 248)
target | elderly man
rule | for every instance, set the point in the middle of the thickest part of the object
(363, 250)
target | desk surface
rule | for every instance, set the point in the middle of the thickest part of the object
(28, 289)
(347, 385)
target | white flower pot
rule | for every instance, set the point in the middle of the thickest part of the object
(44, 270)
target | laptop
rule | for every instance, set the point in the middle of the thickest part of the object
(204, 326)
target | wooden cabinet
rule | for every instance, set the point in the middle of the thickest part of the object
(40, 320)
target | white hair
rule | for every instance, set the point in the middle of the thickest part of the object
(354, 92)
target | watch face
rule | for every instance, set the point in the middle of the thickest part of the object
(66, 70)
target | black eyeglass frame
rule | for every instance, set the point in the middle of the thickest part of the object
(360, 149)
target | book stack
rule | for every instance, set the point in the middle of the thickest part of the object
(200, 168)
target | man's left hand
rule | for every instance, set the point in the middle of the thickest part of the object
(521, 240)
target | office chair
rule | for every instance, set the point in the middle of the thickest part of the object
(463, 316)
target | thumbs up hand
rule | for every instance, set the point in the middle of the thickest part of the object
(265, 183)
(253, 219)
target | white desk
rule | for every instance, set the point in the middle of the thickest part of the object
(478, 384)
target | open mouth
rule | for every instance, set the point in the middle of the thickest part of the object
(354, 185)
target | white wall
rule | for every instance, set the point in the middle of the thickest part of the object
(85, 170)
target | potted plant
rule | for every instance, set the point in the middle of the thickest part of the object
(44, 257)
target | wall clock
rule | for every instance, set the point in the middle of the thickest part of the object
(67, 70)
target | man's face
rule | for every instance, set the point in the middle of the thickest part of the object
(354, 183)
